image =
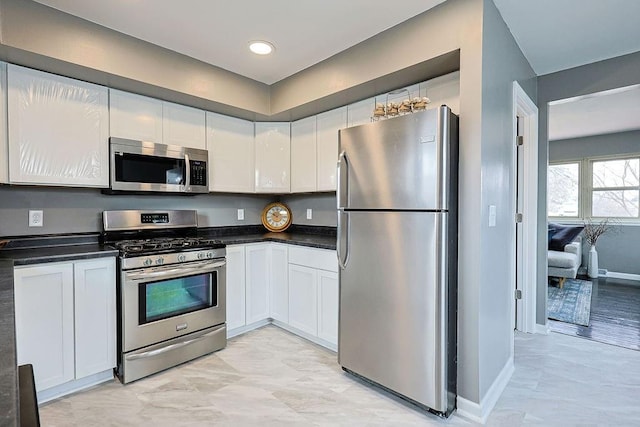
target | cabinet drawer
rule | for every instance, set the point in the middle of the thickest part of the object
(322, 259)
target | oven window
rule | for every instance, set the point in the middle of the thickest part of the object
(149, 169)
(168, 298)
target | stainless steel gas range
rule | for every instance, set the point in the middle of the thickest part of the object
(171, 290)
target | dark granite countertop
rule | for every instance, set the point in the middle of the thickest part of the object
(25, 256)
(311, 236)
(8, 364)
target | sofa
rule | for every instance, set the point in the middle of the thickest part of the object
(564, 264)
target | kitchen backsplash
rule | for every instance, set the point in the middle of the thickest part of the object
(76, 210)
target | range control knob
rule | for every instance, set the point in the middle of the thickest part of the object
(147, 261)
(209, 254)
(160, 261)
(182, 258)
(201, 255)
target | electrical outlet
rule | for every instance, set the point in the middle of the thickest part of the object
(309, 213)
(36, 218)
(240, 214)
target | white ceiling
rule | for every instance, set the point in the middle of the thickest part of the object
(304, 32)
(558, 34)
(611, 111)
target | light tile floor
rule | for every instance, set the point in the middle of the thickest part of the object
(270, 377)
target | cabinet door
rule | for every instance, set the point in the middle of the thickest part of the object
(328, 306)
(303, 299)
(183, 126)
(44, 322)
(95, 316)
(231, 154)
(134, 116)
(279, 283)
(58, 130)
(4, 147)
(272, 157)
(258, 272)
(235, 287)
(360, 112)
(327, 146)
(303, 155)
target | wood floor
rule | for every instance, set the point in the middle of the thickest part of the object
(615, 314)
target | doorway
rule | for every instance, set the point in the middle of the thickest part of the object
(525, 185)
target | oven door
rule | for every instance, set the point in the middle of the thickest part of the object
(161, 303)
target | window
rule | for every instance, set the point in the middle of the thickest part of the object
(615, 188)
(563, 190)
(595, 187)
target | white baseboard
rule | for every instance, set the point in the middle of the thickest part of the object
(626, 276)
(480, 412)
(542, 329)
(316, 340)
(244, 329)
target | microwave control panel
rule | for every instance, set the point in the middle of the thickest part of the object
(198, 173)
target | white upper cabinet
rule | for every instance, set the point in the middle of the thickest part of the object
(327, 146)
(360, 113)
(231, 154)
(58, 130)
(134, 116)
(272, 167)
(183, 126)
(303, 155)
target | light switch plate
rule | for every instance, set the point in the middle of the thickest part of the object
(240, 214)
(36, 218)
(309, 213)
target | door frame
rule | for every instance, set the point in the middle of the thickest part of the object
(525, 308)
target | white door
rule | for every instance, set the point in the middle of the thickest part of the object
(258, 272)
(135, 117)
(272, 162)
(44, 322)
(231, 154)
(328, 125)
(303, 155)
(4, 147)
(183, 126)
(279, 283)
(328, 306)
(235, 287)
(303, 298)
(95, 316)
(58, 130)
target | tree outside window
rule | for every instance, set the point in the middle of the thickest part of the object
(616, 188)
(563, 189)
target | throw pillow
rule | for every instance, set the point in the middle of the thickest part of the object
(564, 235)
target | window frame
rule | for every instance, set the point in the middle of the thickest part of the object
(586, 188)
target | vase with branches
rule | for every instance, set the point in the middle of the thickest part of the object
(592, 232)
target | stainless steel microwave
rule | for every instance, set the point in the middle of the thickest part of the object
(147, 166)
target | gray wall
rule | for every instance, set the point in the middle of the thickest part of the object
(502, 64)
(616, 251)
(604, 75)
(76, 210)
(323, 206)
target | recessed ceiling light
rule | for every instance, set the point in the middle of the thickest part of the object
(261, 47)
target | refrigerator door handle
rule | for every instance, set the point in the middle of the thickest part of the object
(343, 235)
(342, 175)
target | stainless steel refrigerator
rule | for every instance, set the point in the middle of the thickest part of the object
(397, 250)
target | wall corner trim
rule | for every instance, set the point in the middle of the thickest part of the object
(480, 412)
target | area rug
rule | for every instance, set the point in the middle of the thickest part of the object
(572, 303)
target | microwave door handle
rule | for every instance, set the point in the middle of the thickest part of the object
(187, 172)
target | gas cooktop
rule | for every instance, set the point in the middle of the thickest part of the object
(165, 244)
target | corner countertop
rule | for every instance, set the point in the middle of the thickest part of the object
(38, 255)
(300, 239)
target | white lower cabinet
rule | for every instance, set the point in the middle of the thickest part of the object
(65, 317)
(279, 283)
(257, 281)
(235, 287)
(295, 287)
(303, 298)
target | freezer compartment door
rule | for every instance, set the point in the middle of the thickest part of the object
(393, 294)
(401, 163)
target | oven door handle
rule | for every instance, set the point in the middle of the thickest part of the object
(179, 271)
(158, 351)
